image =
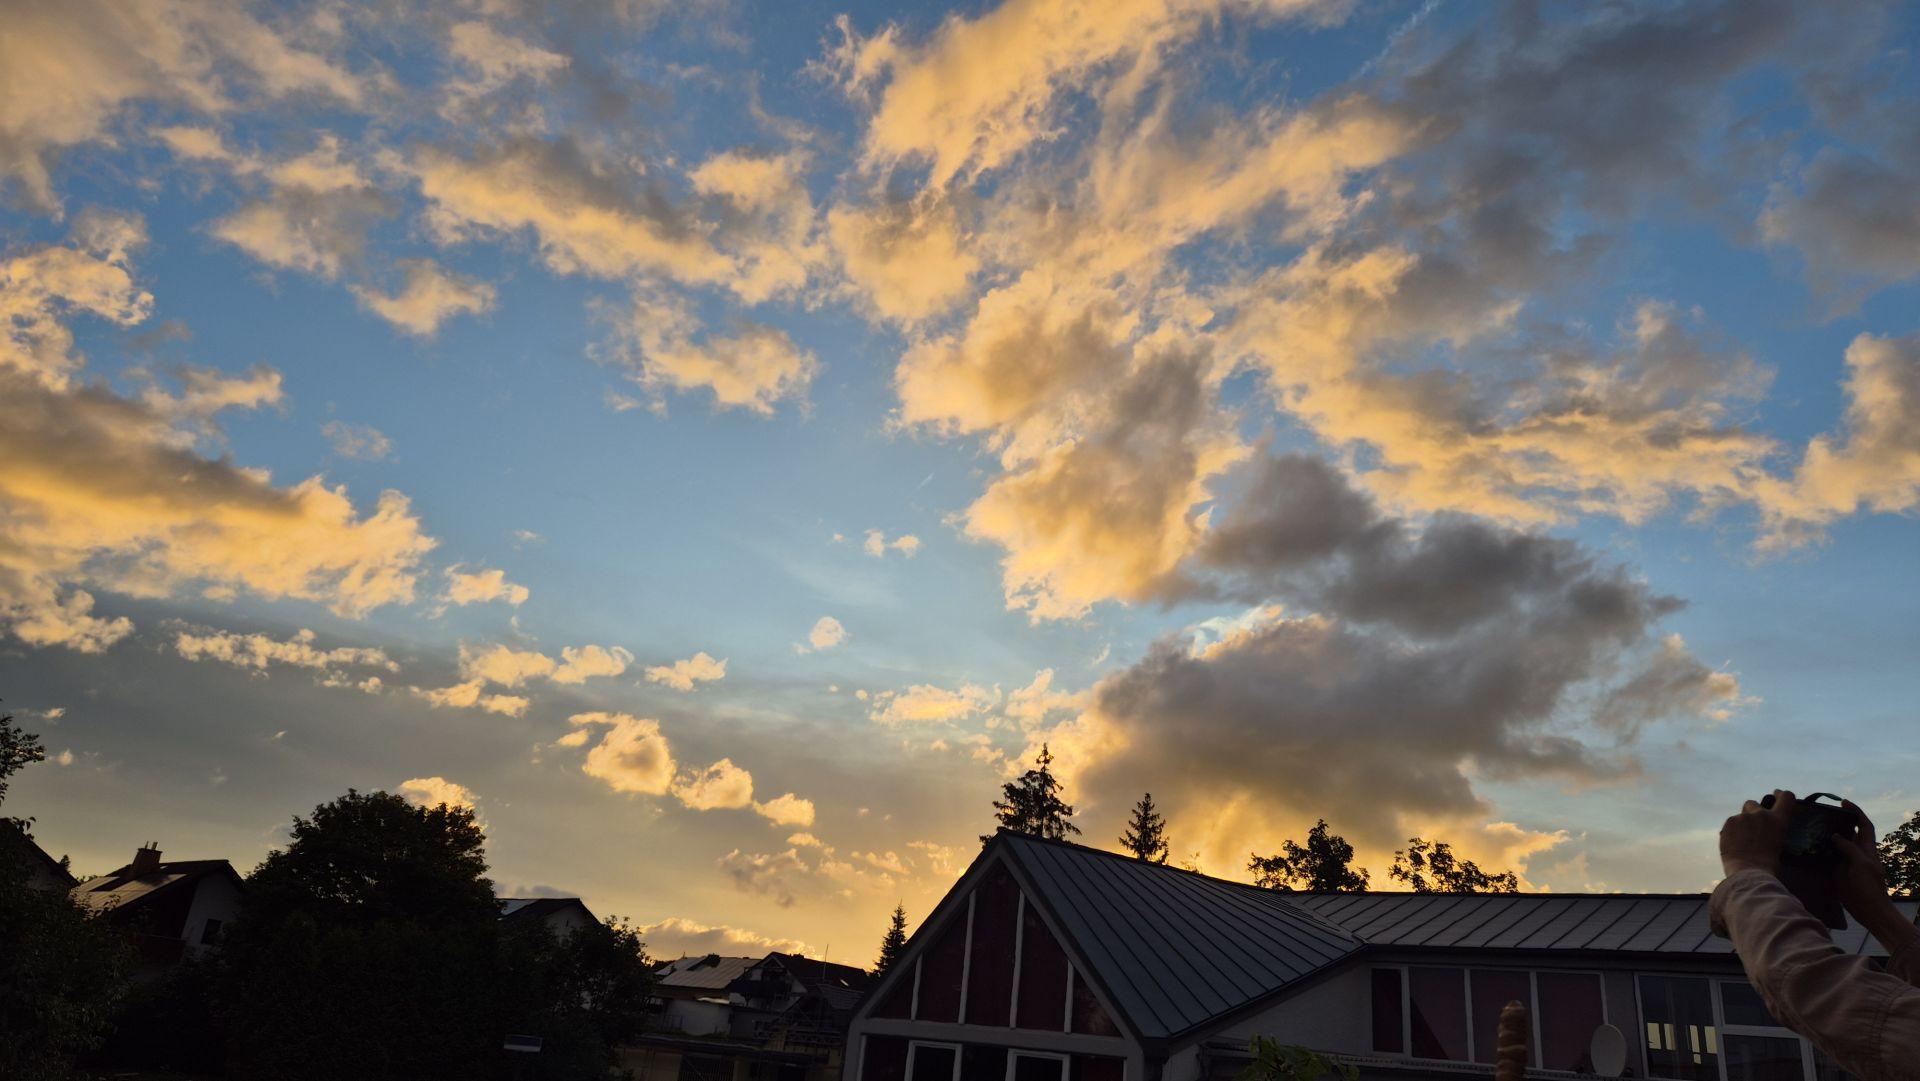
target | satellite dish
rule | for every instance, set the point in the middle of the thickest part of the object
(1609, 1051)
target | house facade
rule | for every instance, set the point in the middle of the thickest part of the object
(172, 909)
(781, 1017)
(1050, 961)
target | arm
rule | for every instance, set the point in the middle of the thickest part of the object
(1867, 1020)
(1862, 881)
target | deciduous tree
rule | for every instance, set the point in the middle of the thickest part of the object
(1323, 865)
(1431, 867)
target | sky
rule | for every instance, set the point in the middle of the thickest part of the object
(722, 442)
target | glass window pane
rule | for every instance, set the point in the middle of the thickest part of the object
(885, 1059)
(1439, 999)
(931, 1063)
(1740, 1004)
(1676, 1013)
(1492, 989)
(1825, 1069)
(1388, 1019)
(1038, 1068)
(1763, 1058)
(982, 1062)
(1570, 1010)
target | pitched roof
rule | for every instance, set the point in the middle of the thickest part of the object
(538, 908)
(813, 972)
(122, 888)
(707, 972)
(56, 872)
(1674, 923)
(1174, 949)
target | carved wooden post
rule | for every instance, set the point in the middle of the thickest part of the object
(1510, 1048)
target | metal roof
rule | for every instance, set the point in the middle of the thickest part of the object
(1172, 948)
(1587, 922)
(118, 889)
(706, 972)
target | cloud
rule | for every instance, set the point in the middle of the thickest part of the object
(359, 442)
(787, 810)
(579, 664)
(1854, 218)
(314, 216)
(259, 651)
(473, 694)
(877, 545)
(434, 791)
(722, 785)
(492, 60)
(682, 675)
(778, 875)
(1872, 463)
(109, 491)
(753, 368)
(909, 260)
(631, 755)
(926, 704)
(1427, 660)
(827, 633)
(71, 71)
(674, 937)
(430, 296)
(482, 586)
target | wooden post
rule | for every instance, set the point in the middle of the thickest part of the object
(1510, 1048)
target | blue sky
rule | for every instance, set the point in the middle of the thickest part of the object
(1486, 421)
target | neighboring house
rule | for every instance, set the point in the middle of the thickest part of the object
(1049, 961)
(561, 915)
(43, 871)
(782, 1017)
(172, 909)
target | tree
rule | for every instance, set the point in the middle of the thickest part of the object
(1323, 865)
(1146, 835)
(1431, 867)
(1032, 804)
(1900, 854)
(894, 941)
(1276, 1061)
(62, 969)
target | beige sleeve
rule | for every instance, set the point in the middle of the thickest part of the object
(1866, 1019)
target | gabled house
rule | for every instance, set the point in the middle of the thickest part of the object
(560, 915)
(43, 871)
(1050, 961)
(173, 909)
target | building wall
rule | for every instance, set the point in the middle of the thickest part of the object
(697, 1018)
(215, 898)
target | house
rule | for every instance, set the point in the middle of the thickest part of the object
(692, 993)
(777, 982)
(1050, 961)
(782, 1017)
(173, 909)
(43, 871)
(560, 915)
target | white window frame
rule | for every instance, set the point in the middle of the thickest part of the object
(1466, 988)
(1065, 1061)
(913, 1050)
(1718, 1039)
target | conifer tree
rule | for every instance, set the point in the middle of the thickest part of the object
(894, 941)
(1032, 804)
(1146, 835)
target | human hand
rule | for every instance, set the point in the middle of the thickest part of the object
(1751, 840)
(1860, 878)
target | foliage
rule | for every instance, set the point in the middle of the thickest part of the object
(1275, 1061)
(370, 947)
(62, 969)
(1900, 853)
(1032, 804)
(1146, 835)
(1431, 867)
(894, 941)
(1323, 865)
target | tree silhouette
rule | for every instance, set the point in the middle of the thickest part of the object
(1146, 835)
(1431, 867)
(894, 941)
(1900, 853)
(1323, 865)
(1032, 804)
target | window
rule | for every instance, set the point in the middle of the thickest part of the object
(705, 1068)
(1763, 1058)
(1677, 1016)
(1491, 990)
(933, 1062)
(983, 1062)
(1758, 1048)
(1389, 1013)
(1741, 1005)
(1438, 997)
(1033, 1066)
(1570, 1008)
(210, 932)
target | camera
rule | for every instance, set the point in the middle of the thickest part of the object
(1808, 858)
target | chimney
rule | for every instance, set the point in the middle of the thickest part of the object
(146, 859)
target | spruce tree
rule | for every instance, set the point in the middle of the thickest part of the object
(1146, 835)
(1032, 804)
(894, 941)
